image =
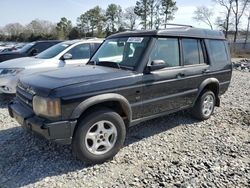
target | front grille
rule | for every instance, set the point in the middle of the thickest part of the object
(24, 97)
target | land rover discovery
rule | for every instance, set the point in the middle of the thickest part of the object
(133, 77)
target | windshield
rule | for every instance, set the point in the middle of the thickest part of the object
(125, 52)
(53, 51)
(26, 47)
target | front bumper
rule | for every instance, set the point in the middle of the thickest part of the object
(60, 132)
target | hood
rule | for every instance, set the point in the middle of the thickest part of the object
(44, 82)
(21, 62)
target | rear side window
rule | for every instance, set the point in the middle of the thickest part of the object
(42, 46)
(166, 49)
(218, 51)
(192, 52)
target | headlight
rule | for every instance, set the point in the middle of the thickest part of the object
(10, 72)
(46, 106)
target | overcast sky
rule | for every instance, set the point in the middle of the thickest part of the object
(24, 11)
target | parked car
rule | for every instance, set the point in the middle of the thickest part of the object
(30, 49)
(133, 77)
(69, 53)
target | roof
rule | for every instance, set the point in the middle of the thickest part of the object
(174, 32)
(92, 40)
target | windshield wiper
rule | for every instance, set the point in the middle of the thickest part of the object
(106, 64)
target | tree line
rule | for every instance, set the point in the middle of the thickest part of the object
(146, 14)
(95, 22)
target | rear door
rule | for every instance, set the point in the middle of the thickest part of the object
(195, 66)
(164, 90)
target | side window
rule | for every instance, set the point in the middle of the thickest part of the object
(218, 51)
(81, 51)
(192, 52)
(166, 49)
(42, 46)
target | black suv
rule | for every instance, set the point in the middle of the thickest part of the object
(30, 49)
(133, 77)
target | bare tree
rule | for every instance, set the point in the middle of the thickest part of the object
(130, 17)
(204, 14)
(227, 5)
(239, 7)
(13, 29)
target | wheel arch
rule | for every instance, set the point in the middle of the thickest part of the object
(113, 101)
(210, 84)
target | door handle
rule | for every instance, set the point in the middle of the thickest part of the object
(180, 75)
(205, 71)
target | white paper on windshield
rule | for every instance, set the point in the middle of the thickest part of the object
(135, 39)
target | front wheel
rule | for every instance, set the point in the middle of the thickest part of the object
(204, 106)
(99, 136)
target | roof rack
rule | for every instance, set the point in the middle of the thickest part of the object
(181, 25)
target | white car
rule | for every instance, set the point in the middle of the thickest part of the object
(69, 53)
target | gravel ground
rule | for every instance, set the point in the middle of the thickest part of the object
(172, 151)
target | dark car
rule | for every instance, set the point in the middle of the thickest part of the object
(30, 49)
(133, 77)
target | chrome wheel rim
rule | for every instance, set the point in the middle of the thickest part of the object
(101, 137)
(208, 105)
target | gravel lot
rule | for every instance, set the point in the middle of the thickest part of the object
(172, 151)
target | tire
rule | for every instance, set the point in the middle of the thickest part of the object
(198, 111)
(99, 136)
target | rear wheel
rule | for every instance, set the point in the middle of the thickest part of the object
(99, 136)
(204, 106)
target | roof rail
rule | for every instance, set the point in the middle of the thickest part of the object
(181, 25)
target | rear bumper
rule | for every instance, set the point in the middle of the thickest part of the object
(60, 132)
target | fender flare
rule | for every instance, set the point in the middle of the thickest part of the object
(207, 82)
(110, 97)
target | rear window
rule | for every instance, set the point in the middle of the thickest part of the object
(192, 52)
(218, 51)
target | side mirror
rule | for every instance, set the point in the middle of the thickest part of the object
(67, 56)
(33, 52)
(155, 65)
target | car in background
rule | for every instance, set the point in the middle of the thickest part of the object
(68, 53)
(30, 49)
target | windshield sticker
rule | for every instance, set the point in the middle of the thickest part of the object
(135, 39)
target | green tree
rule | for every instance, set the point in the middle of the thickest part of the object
(168, 8)
(113, 15)
(74, 34)
(94, 20)
(142, 10)
(63, 28)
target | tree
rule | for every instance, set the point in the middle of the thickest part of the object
(227, 5)
(204, 14)
(142, 10)
(83, 23)
(113, 14)
(74, 33)
(63, 28)
(95, 19)
(168, 8)
(238, 8)
(13, 29)
(130, 17)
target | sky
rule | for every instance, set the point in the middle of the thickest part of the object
(24, 11)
